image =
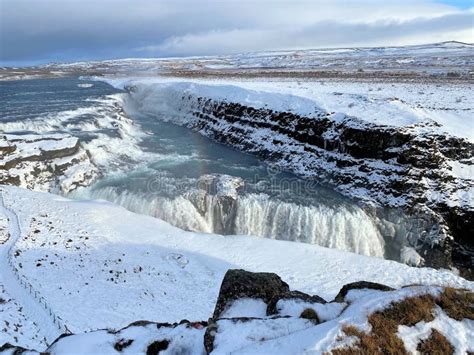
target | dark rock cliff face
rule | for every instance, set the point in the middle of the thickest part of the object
(405, 168)
(222, 192)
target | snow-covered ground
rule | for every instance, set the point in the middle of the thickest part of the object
(421, 106)
(17, 328)
(437, 60)
(99, 266)
(292, 334)
(387, 104)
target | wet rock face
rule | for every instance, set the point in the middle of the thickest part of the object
(219, 193)
(55, 162)
(221, 185)
(407, 167)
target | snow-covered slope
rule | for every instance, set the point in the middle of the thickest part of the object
(97, 265)
(256, 313)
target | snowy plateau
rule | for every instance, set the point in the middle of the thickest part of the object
(387, 265)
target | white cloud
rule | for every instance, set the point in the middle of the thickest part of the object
(327, 33)
(91, 29)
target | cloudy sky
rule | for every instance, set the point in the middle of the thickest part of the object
(39, 31)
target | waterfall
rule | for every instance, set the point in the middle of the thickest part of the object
(341, 226)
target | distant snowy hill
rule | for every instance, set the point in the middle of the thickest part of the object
(454, 59)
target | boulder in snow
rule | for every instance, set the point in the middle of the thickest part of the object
(239, 284)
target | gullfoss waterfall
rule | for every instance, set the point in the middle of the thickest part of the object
(151, 163)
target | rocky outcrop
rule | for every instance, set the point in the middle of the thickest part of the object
(272, 308)
(239, 284)
(360, 285)
(140, 337)
(305, 322)
(216, 195)
(55, 162)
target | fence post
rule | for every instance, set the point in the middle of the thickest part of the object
(29, 288)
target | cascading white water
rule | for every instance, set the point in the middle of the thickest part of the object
(343, 227)
(182, 213)
(107, 133)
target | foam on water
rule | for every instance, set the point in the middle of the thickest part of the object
(110, 136)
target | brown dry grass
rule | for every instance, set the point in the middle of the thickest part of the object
(458, 304)
(383, 338)
(435, 344)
